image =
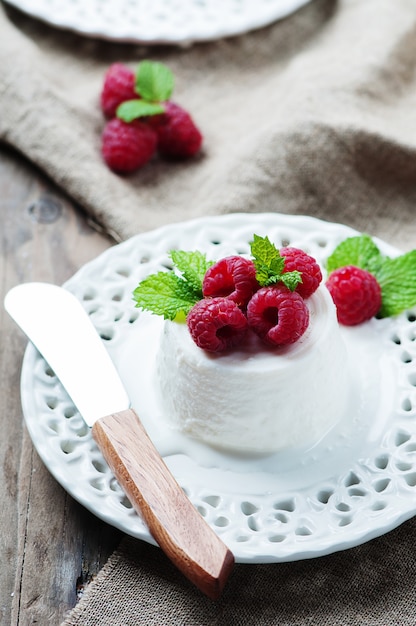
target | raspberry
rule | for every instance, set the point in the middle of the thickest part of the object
(216, 324)
(126, 147)
(279, 316)
(178, 136)
(296, 259)
(118, 87)
(356, 294)
(233, 277)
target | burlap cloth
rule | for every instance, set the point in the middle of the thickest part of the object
(315, 115)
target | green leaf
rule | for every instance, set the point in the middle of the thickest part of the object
(267, 260)
(193, 266)
(165, 294)
(154, 81)
(133, 109)
(270, 264)
(291, 279)
(397, 279)
(360, 251)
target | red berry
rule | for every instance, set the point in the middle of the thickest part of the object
(356, 294)
(233, 277)
(217, 324)
(279, 316)
(126, 147)
(296, 259)
(118, 87)
(178, 136)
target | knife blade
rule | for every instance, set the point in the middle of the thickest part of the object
(55, 321)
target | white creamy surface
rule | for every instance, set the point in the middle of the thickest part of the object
(359, 422)
(257, 399)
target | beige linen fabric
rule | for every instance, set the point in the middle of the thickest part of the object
(315, 115)
(373, 585)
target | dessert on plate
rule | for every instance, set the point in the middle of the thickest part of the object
(257, 398)
(251, 358)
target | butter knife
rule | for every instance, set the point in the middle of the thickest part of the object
(56, 323)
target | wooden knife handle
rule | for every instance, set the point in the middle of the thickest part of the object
(175, 524)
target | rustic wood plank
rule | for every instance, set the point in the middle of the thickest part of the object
(49, 543)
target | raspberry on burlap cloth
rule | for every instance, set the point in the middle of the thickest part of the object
(314, 115)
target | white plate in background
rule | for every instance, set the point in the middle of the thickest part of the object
(159, 21)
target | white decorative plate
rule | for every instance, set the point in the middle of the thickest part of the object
(160, 21)
(357, 483)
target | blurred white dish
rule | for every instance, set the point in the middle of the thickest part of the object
(160, 21)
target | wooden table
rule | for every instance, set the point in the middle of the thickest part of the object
(50, 545)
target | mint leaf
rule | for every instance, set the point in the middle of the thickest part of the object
(132, 109)
(360, 251)
(267, 260)
(270, 264)
(165, 294)
(397, 279)
(154, 81)
(170, 294)
(291, 279)
(193, 266)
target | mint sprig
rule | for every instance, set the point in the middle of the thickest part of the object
(397, 279)
(173, 294)
(133, 109)
(154, 83)
(360, 251)
(396, 276)
(193, 266)
(269, 264)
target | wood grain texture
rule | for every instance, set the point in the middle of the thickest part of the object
(173, 521)
(50, 545)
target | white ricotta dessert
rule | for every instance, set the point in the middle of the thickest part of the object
(257, 399)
